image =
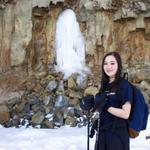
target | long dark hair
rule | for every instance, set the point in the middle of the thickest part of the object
(105, 77)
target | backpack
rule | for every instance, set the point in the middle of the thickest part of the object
(139, 112)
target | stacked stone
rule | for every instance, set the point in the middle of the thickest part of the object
(49, 103)
(53, 102)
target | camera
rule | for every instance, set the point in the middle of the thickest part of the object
(87, 102)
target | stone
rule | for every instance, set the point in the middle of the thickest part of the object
(11, 97)
(52, 85)
(61, 86)
(48, 124)
(70, 121)
(81, 81)
(71, 83)
(4, 114)
(74, 94)
(91, 90)
(73, 101)
(61, 101)
(145, 85)
(38, 118)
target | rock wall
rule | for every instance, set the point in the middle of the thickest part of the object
(27, 41)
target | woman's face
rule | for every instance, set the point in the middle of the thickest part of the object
(110, 66)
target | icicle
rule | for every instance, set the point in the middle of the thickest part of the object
(70, 49)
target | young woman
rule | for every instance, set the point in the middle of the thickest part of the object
(114, 104)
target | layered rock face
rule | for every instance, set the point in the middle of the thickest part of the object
(27, 46)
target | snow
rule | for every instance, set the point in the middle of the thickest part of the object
(64, 138)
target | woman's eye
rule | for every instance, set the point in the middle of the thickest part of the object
(112, 63)
(105, 63)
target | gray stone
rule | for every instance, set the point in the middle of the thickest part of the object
(38, 118)
(52, 85)
(61, 101)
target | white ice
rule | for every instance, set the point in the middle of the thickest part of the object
(70, 49)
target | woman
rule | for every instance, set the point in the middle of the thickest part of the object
(114, 104)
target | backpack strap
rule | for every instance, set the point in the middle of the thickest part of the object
(125, 75)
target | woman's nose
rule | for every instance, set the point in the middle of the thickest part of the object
(109, 66)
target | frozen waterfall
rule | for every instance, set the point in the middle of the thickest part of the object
(70, 49)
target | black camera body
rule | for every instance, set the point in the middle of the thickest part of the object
(94, 102)
(87, 102)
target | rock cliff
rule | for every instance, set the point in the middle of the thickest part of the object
(27, 41)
